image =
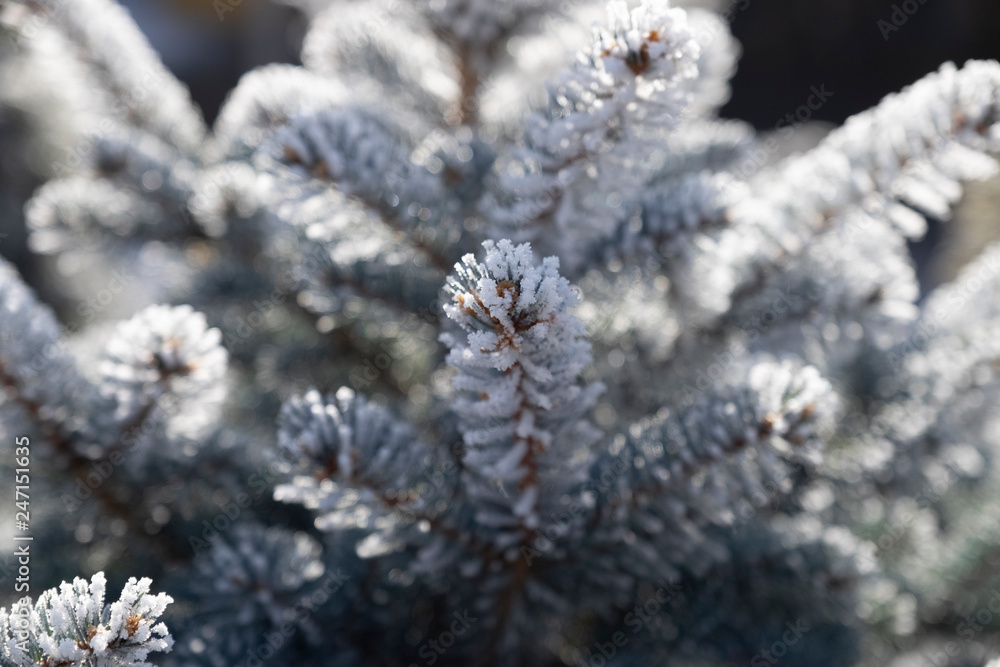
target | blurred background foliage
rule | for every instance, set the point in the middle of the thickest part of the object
(788, 46)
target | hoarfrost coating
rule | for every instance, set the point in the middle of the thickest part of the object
(481, 338)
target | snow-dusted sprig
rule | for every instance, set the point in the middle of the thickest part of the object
(664, 495)
(907, 153)
(79, 418)
(934, 132)
(165, 350)
(589, 151)
(634, 72)
(366, 156)
(521, 404)
(728, 444)
(370, 470)
(114, 49)
(717, 461)
(72, 626)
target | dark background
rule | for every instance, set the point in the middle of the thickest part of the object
(789, 46)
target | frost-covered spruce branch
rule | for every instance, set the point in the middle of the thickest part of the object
(522, 422)
(73, 627)
(521, 404)
(581, 153)
(725, 459)
(526, 439)
(888, 166)
(776, 413)
(156, 365)
(161, 351)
